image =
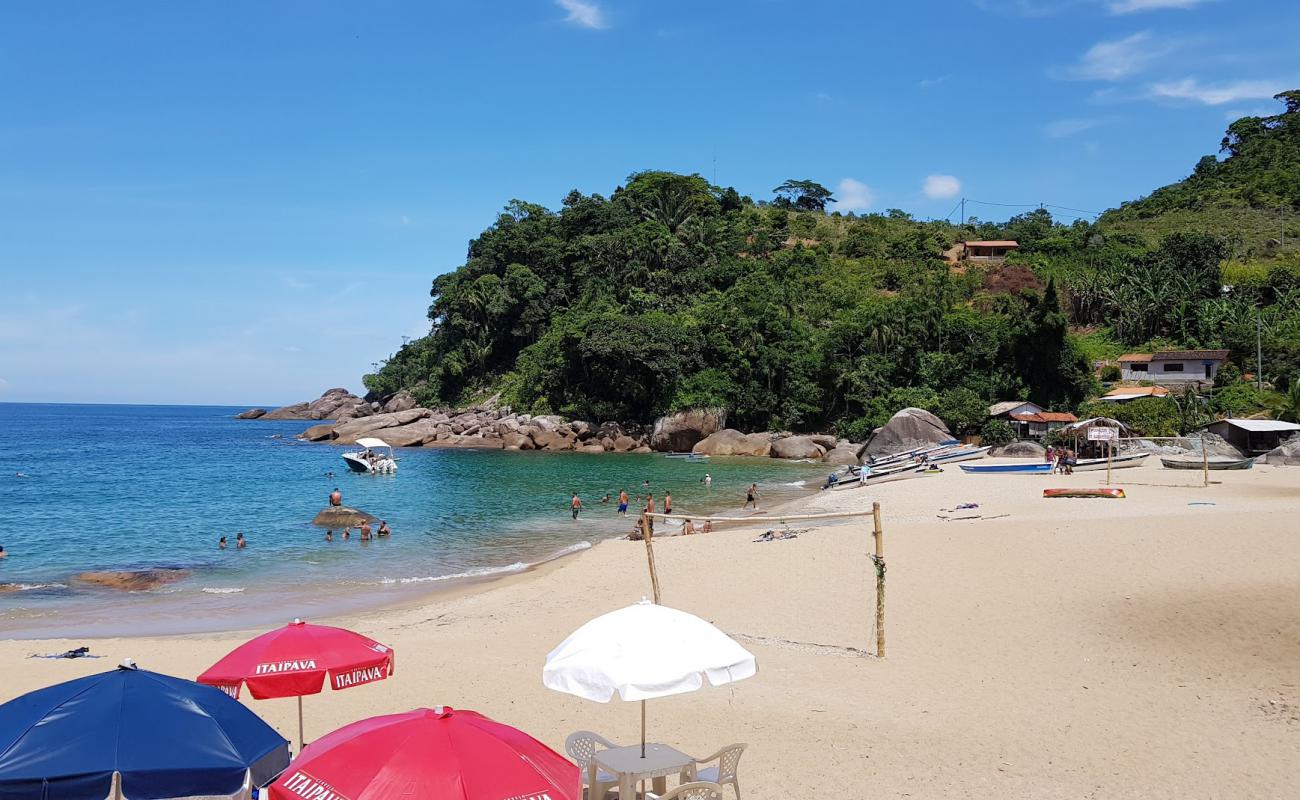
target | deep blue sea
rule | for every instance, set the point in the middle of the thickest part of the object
(112, 487)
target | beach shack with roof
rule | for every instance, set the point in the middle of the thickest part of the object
(1253, 436)
(988, 250)
(1173, 366)
(1123, 394)
(1029, 420)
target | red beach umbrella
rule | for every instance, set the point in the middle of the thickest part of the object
(293, 661)
(430, 754)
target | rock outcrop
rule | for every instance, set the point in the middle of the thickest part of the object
(798, 447)
(908, 429)
(847, 454)
(1020, 450)
(341, 517)
(335, 404)
(252, 413)
(731, 442)
(402, 401)
(1286, 454)
(679, 432)
(141, 580)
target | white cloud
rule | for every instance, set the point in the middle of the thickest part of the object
(1217, 94)
(1135, 6)
(940, 187)
(1117, 59)
(853, 196)
(583, 13)
(929, 83)
(1063, 128)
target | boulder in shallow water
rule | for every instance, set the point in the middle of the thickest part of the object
(731, 442)
(318, 433)
(139, 580)
(252, 413)
(797, 447)
(907, 430)
(341, 517)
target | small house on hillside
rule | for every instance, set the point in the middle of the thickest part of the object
(1123, 394)
(1173, 366)
(993, 250)
(1030, 420)
(1253, 436)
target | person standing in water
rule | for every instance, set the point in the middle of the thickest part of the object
(365, 531)
(650, 511)
(239, 541)
(221, 543)
(575, 505)
(336, 497)
(329, 536)
(668, 502)
(622, 503)
(751, 496)
(707, 480)
(383, 528)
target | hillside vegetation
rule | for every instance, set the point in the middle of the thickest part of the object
(673, 293)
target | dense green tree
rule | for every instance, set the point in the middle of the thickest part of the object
(802, 195)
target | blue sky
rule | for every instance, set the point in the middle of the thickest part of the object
(244, 202)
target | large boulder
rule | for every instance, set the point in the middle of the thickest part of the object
(252, 413)
(513, 440)
(826, 441)
(552, 440)
(907, 430)
(402, 401)
(412, 434)
(678, 433)
(348, 432)
(624, 444)
(797, 447)
(337, 403)
(318, 433)
(295, 411)
(1020, 450)
(844, 455)
(1286, 454)
(731, 442)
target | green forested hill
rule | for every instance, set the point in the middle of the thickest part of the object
(671, 293)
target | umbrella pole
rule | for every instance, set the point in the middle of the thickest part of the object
(300, 745)
(643, 729)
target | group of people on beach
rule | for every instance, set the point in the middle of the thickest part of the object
(648, 507)
(1062, 460)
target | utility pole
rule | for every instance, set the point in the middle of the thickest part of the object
(963, 212)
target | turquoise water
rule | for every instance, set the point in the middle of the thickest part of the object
(140, 487)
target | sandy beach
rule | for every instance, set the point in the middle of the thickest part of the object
(1144, 647)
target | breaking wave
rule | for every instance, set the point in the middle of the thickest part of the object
(484, 572)
(223, 589)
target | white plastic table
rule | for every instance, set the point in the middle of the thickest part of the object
(626, 762)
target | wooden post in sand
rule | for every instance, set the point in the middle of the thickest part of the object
(646, 535)
(879, 561)
(1205, 463)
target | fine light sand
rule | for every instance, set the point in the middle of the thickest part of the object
(1142, 648)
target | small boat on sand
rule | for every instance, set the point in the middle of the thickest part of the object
(1084, 492)
(1197, 463)
(958, 454)
(370, 459)
(1118, 462)
(1032, 468)
(874, 476)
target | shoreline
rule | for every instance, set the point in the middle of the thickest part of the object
(1038, 648)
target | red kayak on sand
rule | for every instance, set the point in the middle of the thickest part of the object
(1083, 493)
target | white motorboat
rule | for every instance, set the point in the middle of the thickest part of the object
(371, 458)
(958, 454)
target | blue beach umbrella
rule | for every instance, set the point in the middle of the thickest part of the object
(130, 734)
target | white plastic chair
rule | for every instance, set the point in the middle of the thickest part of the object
(728, 759)
(581, 747)
(695, 790)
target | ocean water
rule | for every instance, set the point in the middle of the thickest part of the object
(113, 488)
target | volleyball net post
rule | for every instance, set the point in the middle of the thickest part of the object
(876, 554)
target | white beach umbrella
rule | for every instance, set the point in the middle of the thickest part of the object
(642, 652)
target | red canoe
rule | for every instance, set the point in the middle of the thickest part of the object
(1083, 493)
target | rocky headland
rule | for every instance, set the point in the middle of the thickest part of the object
(400, 422)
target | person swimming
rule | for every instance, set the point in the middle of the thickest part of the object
(3, 554)
(347, 533)
(221, 543)
(329, 536)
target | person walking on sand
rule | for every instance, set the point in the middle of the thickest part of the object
(240, 542)
(336, 497)
(751, 496)
(575, 505)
